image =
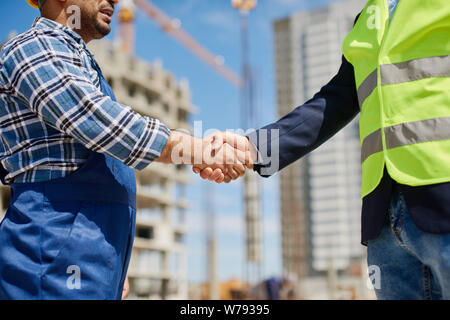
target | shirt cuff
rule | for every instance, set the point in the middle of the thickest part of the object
(150, 145)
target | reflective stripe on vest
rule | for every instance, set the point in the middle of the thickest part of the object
(405, 72)
(406, 134)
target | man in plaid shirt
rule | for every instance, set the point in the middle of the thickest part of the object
(68, 151)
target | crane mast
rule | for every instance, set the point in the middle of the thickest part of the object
(251, 186)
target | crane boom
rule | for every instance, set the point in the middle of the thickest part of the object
(172, 28)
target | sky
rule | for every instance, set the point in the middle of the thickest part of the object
(215, 24)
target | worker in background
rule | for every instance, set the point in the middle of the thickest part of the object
(68, 150)
(395, 73)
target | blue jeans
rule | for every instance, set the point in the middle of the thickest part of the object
(410, 263)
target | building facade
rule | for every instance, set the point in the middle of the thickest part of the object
(320, 194)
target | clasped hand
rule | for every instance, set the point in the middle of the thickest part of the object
(231, 154)
(220, 157)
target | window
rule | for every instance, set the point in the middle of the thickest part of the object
(145, 233)
(132, 64)
(166, 107)
(182, 115)
(178, 237)
(132, 90)
(150, 97)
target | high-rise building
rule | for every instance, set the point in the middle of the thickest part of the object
(320, 200)
(158, 264)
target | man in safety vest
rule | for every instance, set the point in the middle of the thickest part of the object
(396, 73)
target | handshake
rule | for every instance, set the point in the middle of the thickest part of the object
(220, 157)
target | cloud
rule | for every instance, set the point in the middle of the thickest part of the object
(221, 19)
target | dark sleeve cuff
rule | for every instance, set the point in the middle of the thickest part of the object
(267, 162)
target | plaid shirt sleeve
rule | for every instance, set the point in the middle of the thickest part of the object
(52, 80)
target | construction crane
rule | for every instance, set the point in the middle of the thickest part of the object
(211, 242)
(172, 27)
(251, 186)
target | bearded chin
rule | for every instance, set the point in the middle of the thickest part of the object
(102, 29)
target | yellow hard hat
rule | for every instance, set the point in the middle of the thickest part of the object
(33, 3)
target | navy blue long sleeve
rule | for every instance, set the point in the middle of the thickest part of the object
(313, 123)
(310, 125)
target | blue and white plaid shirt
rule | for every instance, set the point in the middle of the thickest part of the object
(52, 111)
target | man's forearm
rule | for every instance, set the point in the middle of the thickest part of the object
(181, 148)
(310, 125)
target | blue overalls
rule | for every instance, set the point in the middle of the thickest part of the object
(70, 238)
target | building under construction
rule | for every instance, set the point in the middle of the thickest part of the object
(158, 264)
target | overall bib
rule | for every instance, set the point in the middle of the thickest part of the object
(70, 238)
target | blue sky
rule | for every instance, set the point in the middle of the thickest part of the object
(215, 25)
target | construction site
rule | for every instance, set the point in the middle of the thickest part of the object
(317, 193)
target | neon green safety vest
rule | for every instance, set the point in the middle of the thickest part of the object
(402, 73)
